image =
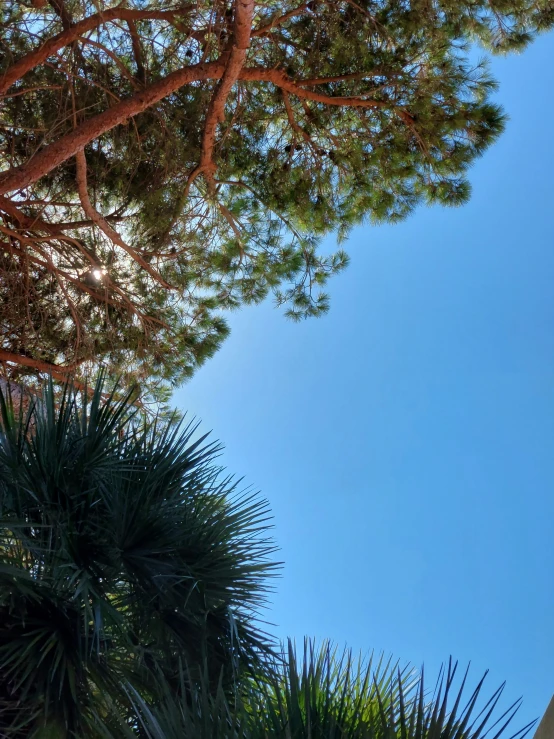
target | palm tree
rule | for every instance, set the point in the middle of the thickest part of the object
(124, 555)
(132, 574)
(326, 694)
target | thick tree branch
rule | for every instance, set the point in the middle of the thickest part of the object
(279, 78)
(67, 146)
(72, 33)
(28, 222)
(61, 374)
(53, 369)
(240, 40)
(236, 56)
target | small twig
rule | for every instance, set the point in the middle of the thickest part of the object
(231, 220)
(137, 51)
(263, 30)
(122, 68)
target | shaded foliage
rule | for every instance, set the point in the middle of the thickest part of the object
(123, 554)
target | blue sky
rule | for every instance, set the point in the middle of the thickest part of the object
(405, 441)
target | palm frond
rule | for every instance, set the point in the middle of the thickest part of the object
(327, 694)
(124, 550)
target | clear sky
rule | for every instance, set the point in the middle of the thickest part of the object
(405, 441)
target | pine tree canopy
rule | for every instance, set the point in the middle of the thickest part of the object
(164, 161)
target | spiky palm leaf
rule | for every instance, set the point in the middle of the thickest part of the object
(328, 695)
(123, 553)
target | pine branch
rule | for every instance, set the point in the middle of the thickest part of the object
(104, 226)
(57, 371)
(72, 32)
(52, 155)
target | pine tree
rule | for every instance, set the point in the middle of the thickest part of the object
(164, 162)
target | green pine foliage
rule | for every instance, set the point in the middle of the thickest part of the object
(378, 106)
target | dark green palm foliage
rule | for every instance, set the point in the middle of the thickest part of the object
(325, 694)
(202, 711)
(123, 553)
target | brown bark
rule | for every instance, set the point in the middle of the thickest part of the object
(28, 222)
(279, 78)
(67, 146)
(34, 222)
(240, 40)
(63, 375)
(228, 69)
(38, 364)
(72, 33)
